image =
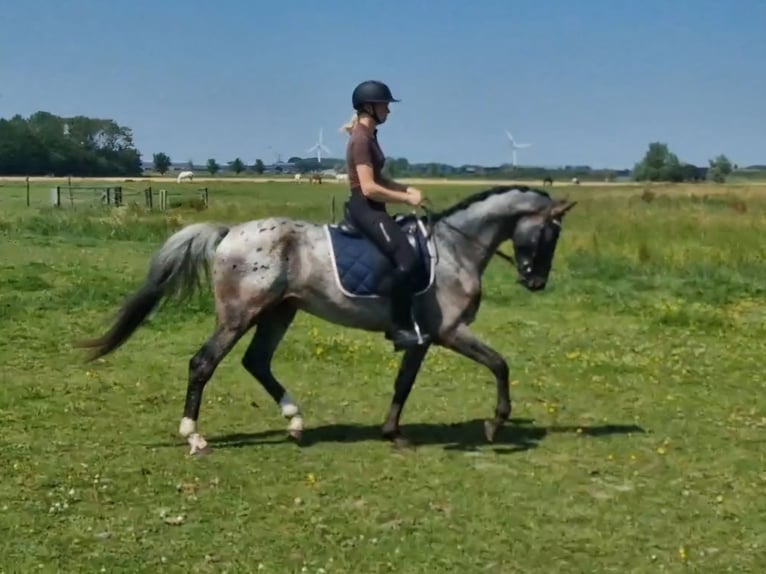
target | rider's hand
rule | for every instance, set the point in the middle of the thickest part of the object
(414, 196)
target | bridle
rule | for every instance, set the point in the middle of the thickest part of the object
(429, 219)
(509, 258)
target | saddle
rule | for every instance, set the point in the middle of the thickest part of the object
(361, 270)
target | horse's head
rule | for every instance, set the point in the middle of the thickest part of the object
(534, 243)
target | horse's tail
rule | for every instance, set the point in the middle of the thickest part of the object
(173, 271)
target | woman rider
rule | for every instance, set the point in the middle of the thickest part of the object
(370, 191)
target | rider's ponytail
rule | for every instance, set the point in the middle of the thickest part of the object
(349, 126)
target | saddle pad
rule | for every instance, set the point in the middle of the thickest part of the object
(361, 269)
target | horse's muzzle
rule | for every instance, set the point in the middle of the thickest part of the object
(533, 283)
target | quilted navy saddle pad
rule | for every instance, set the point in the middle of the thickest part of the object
(363, 271)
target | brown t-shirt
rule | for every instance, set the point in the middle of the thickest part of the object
(363, 149)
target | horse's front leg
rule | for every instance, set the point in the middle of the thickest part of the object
(405, 379)
(462, 341)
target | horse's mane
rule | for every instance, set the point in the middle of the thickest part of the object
(481, 196)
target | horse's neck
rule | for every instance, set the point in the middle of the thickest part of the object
(476, 238)
(478, 230)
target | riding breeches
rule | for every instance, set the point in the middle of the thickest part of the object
(383, 231)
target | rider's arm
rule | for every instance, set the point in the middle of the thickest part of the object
(391, 184)
(361, 152)
(376, 191)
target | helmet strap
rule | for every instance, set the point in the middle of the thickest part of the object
(372, 113)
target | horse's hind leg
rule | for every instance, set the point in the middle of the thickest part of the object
(201, 368)
(234, 319)
(272, 326)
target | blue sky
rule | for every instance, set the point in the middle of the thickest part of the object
(587, 82)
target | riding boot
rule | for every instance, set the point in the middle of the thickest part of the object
(403, 334)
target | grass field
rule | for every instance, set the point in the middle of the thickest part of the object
(637, 440)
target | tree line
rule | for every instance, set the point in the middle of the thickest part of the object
(47, 144)
(660, 164)
(396, 167)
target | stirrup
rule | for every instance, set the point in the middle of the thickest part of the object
(421, 339)
(418, 332)
(409, 342)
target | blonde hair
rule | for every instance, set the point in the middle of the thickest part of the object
(351, 124)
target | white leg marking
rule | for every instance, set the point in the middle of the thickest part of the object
(187, 427)
(291, 411)
(188, 430)
(288, 406)
(296, 423)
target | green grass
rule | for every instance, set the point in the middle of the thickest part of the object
(636, 444)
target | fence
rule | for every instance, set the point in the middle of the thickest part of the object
(85, 195)
(77, 196)
(178, 198)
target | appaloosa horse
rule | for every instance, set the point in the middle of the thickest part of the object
(265, 271)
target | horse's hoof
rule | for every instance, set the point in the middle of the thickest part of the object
(397, 439)
(198, 445)
(490, 429)
(295, 435)
(401, 442)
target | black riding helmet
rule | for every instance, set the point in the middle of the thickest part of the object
(371, 92)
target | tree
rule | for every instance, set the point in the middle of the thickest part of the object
(389, 169)
(212, 166)
(161, 162)
(237, 166)
(659, 164)
(46, 143)
(720, 167)
(692, 173)
(258, 167)
(20, 151)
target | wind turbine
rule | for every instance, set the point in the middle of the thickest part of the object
(319, 147)
(515, 146)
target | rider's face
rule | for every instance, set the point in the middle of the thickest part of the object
(382, 111)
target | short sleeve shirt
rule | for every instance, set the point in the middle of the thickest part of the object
(363, 149)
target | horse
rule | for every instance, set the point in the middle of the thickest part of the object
(184, 175)
(264, 271)
(315, 178)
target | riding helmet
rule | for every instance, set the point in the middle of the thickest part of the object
(371, 92)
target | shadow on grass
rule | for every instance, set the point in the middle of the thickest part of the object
(519, 435)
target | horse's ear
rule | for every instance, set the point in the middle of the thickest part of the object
(560, 208)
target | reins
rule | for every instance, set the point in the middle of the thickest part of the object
(429, 226)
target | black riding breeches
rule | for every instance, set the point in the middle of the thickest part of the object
(382, 230)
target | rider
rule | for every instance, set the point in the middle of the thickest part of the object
(370, 190)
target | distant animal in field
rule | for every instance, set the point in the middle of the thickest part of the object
(185, 175)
